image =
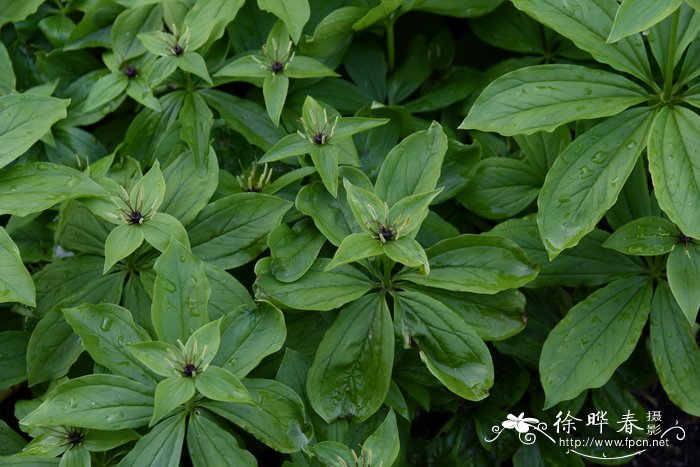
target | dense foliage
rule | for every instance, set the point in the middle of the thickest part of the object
(342, 232)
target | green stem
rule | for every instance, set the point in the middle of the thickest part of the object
(671, 57)
(390, 45)
(388, 266)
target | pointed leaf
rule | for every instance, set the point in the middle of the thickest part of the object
(219, 384)
(160, 229)
(354, 248)
(16, 284)
(450, 348)
(209, 444)
(123, 240)
(587, 177)
(543, 97)
(594, 338)
(162, 446)
(351, 372)
(180, 294)
(648, 236)
(674, 163)
(171, 393)
(635, 16)
(683, 272)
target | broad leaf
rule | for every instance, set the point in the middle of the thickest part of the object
(105, 330)
(24, 119)
(413, 166)
(318, 289)
(231, 231)
(683, 272)
(674, 351)
(448, 346)
(15, 283)
(36, 186)
(180, 294)
(674, 164)
(543, 97)
(475, 263)
(594, 338)
(102, 402)
(277, 418)
(587, 177)
(648, 236)
(634, 16)
(351, 372)
(210, 444)
(294, 250)
(162, 446)
(587, 23)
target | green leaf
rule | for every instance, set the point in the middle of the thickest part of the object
(384, 443)
(244, 67)
(448, 346)
(493, 317)
(409, 213)
(129, 24)
(307, 67)
(106, 89)
(160, 229)
(123, 240)
(318, 289)
(180, 294)
(162, 446)
(211, 444)
(294, 250)
(156, 355)
(17, 11)
(189, 189)
(594, 338)
(77, 456)
(219, 384)
(248, 335)
(196, 119)
(587, 23)
(105, 330)
(376, 14)
(16, 284)
(456, 8)
(365, 206)
(500, 188)
(13, 348)
(634, 16)
(674, 164)
(413, 166)
(543, 97)
(663, 34)
(24, 119)
(226, 292)
(408, 252)
(475, 263)
(288, 146)
(587, 177)
(648, 236)
(192, 62)
(355, 247)
(275, 88)
(36, 186)
(683, 272)
(586, 264)
(294, 14)
(171, 393)
(11, 443)
(150, 189)
(675, 354)
(245, 117)
(325, 159)
(232, 231)
(102, 402)
(277, 418)
(52, 348)
(351, 372)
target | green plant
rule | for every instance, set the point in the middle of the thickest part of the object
(250, 232)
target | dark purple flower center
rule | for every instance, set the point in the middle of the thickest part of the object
(135, 217)
(130, 71)
(74, 437)
(277, 67)
(386, 234)
(189, 370)
(177, 49)
(684, 239)
(319, 138)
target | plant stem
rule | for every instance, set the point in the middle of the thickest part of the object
(671, 57)
(388, 265)
(390, 45)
